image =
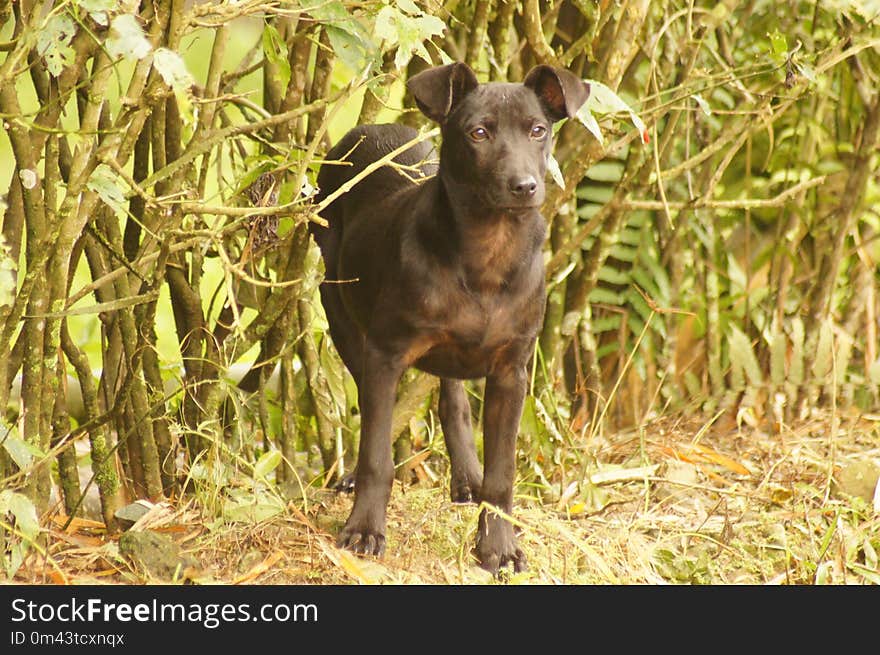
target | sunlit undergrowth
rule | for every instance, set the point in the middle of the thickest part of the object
(662, 509)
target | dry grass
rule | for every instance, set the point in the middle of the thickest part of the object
(679, 502)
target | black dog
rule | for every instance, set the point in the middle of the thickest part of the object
(448, 278)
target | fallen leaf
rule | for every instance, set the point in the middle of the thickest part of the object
(720, 459)
(77, 523)
(58, 577)
(623, 475)
(355, 567)
(79, 540)
(260, 568)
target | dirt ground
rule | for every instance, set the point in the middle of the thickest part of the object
(681, 501)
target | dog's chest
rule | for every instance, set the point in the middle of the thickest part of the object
(475, 324)
(468, 333)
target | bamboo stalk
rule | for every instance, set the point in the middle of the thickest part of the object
(133, 349)
(477, 34)
(102, 457)
(326, 417)
(290, 440)
(299, 47)
(68, 472)
(500, 32)
(320, 87)
(534, 33)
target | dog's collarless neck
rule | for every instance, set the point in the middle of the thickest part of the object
(491, 246)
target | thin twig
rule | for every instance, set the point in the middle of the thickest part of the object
(745, 203)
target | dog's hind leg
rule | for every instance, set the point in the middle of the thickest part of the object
(364, 532)
(455, 419)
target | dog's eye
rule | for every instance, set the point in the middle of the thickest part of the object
(538, 131)
(479, 134)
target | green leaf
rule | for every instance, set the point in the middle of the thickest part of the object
(874, 372)
(275, 51)
(21, 507)
(742, 355)
(267, 463)
(530, 426)
(409, 7)
(99, 10)
(738, 280)
(606, 171)
(13, 563)
(601, 295)
(430, 26)
(332, 367)
(608, 323)
(349, 48)
(642, 309)
(623, 252)
(603, 100)
(314, 266)
(646, 283)
(702, 103)
(385, 27)
(778, 44)
(105, 183)
(585, 116)
(127, 38)
(824, 357)
(350, 41)
(807, 71)
(173, 70)
(555, 171)
(407, 32)
(824, 574)
(25, 515)
(18, 449)
(53, 43)
(246, 507)
(613, 275)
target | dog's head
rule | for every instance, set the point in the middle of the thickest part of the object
(497, 136)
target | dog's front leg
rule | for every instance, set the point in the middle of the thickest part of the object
(503, 403)
(364, 532)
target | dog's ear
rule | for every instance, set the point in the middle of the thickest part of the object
(438, 90)
(560, 91)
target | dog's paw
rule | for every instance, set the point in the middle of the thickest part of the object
(465, 487)
(361, 539)
(497, 548)
(345, 484)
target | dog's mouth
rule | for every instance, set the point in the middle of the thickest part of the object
(513, 205)
(512, 209)
(501, 201)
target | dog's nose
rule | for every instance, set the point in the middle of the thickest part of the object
(523, 187)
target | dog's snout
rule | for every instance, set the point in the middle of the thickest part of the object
(523, 186)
